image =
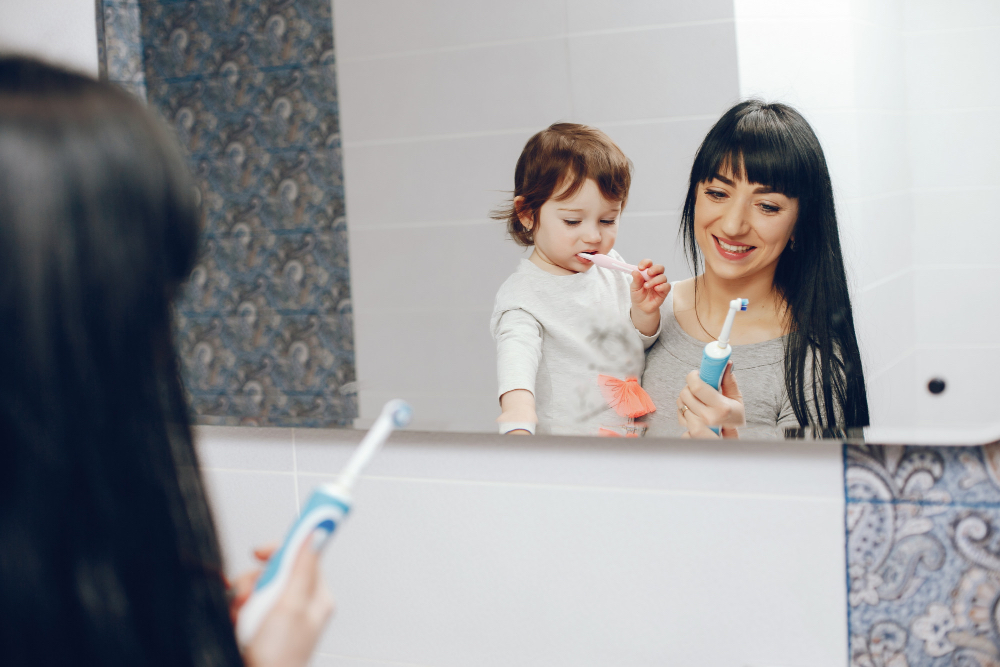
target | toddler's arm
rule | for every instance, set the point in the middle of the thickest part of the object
(519, 349)
(647, 297)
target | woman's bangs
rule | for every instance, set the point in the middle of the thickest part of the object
(756, 156)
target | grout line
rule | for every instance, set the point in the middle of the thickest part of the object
(295, 470)
(250, 471)
(954, 267)
(687, 493)
(944, 31)
(957, 346)
(452, 136)
(971, 504)
(876, 197)
(888, 367)
(930, 112)
(430, 224)
(374, 661)
(531, 40)
(884, 281)
(847, 551)
(956, 188)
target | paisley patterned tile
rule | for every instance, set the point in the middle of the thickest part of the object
(924, 585)
(264, 323)
(206, 37)
(923, 554)
(123, 41)
(963, 475)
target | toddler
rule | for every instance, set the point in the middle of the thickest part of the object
(571, 336)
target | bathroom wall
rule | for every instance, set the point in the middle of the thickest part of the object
(437, 99)
(905, 99)
(482, 550)
(841, 64)
(60, 31)
(953, 118)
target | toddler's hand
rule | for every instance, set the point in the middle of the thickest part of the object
(649, 295)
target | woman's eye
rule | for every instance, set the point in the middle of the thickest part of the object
(769, 208)
(715, 194)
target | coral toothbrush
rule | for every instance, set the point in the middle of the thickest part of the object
(326, 508)
(717, 353)
(606, 262)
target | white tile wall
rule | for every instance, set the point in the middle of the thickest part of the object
(62, 32)
(844, 65)
(483, 550)
(437, 99)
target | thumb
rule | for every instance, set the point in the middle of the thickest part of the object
(729, 387)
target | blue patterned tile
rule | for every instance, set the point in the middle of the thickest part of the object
(123, 41)
(924, 585)
(949, 475)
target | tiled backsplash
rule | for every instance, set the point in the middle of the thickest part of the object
(265, 325)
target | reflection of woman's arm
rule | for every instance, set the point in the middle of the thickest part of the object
(700, 406)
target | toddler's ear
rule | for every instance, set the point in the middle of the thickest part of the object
(527, 220)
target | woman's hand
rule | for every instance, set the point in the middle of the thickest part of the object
(290, 631)
(647, 297)
(700, 406)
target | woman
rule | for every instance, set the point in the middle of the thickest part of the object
(759, 223)
(108, 552)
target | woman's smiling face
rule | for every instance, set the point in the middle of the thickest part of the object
(742, 228)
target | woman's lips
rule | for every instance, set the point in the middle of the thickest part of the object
(734, 251)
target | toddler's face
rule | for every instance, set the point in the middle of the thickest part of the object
(585, 222)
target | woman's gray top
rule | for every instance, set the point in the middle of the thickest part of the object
(757, 367)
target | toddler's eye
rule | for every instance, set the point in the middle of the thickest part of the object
(572, 222)
(609, 222)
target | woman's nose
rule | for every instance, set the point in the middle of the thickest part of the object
(734, 222)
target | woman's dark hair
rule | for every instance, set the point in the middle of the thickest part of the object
(561, 152)
(108, 553)
(772, 144)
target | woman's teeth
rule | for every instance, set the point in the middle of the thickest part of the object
(733, 248)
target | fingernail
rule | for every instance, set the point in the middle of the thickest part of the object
(320, 537)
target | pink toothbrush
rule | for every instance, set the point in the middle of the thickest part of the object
(606, 262)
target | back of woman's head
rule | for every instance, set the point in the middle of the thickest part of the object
(107, 550)
(772, 144)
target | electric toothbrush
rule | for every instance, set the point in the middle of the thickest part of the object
(717, 353)
(606, 262)
(326, 508)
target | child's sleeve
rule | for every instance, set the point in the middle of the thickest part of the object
(647, 341)
(519, 349)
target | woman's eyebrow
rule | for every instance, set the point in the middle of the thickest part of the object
(763, 190)
(720, 177)
(575, 210)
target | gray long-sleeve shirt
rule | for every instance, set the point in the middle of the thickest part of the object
(556, 334)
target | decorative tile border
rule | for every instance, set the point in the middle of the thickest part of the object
(923, 555)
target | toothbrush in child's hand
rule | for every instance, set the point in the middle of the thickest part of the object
(326, 508)
(606, 262)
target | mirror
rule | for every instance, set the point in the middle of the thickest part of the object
(395, 135)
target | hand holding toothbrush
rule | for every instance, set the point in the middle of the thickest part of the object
(648, 296)
(291, 630)
(701, 406)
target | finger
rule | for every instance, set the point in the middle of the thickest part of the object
(730, 433)
(698, 428)
(241, 589)
(705, 393)
(729, 387)
(638, 282)
(645, 264)
(265, 552)
(305, 575)
(656, 270)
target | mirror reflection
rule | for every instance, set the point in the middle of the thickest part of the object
(363, 162)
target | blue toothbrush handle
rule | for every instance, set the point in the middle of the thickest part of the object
(326, 508)
(712, 368)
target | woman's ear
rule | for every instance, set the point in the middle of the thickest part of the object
(527, 221)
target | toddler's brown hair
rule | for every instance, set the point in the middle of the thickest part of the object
(563, 155)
